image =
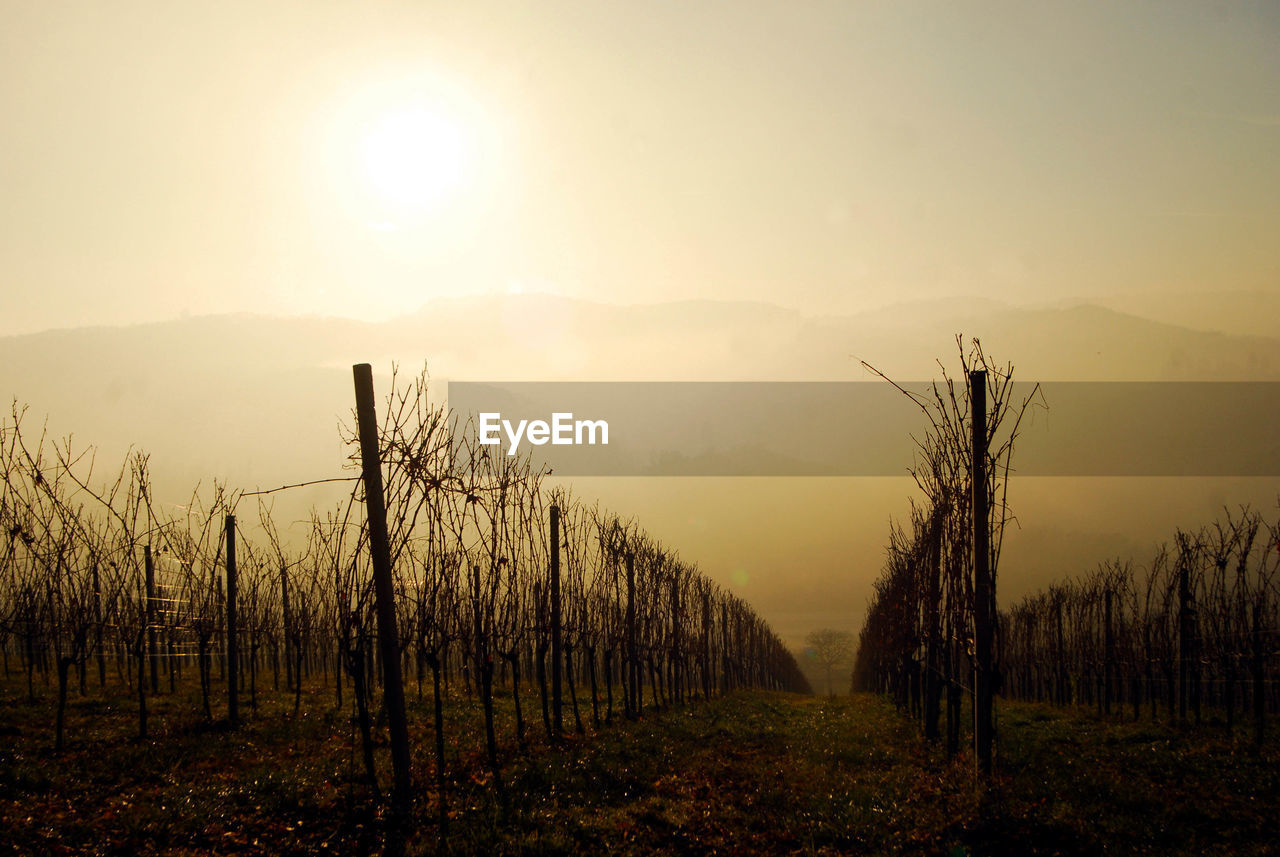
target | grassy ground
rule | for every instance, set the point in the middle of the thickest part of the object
(752, 774)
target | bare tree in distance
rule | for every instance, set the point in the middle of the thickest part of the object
(829, 648)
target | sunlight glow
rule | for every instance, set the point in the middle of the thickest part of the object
(407, 174)
(416, 157)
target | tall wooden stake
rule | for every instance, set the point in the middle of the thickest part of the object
(284, 620)
(983, 586)
(153, 655)
(706, 642)
(1184, 629)
(932, 685)
(97, 621)
(725, 677)
(632, 673)
(676, 677)
(384, 592)
(1109, 654)
(233, 648)
(1259, 668)
(557, 639)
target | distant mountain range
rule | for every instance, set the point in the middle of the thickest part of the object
(256, 397)
(1233, 311)
(544, 337)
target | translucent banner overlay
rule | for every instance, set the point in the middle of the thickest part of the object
(871, 428)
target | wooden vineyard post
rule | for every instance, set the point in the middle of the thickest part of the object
(97, 622)
(1259, 684)
(557, 638)
(233, 648)
(632, 673)
(983, 585)
(724, 648)
(676, 691)
(153, 655)
(284, 621)
(932, 685)
(1184, 632)
(1060, 678)
(706, 643)
(384, 594)
(1109, 654)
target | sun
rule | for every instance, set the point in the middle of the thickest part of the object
(416, 157)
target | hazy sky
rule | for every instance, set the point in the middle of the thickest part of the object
(359, 159)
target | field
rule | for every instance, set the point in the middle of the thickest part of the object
(754, 773)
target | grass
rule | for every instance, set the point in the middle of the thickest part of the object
(755, 773)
